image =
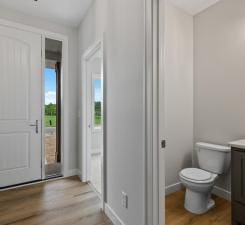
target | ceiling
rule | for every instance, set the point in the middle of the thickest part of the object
(67, 12)
(71, 12)
(193, 7)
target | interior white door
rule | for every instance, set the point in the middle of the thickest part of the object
(20, 106)
(94, 120)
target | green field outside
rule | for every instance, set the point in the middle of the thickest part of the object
(53, 121)
(97, 114)
(50, 121)
(97, 120)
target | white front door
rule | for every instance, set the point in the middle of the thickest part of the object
(20, 106)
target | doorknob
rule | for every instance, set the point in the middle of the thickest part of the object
(35, 125)
(163, 144)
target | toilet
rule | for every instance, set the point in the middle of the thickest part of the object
(213, 160)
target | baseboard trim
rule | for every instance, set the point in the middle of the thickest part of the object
(222, 193)
(70, 173)
(173, 188)
(79, 174)
(113, 216)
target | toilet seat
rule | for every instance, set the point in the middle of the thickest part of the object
(196, 175)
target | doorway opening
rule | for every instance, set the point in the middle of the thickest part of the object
(52, 108)
(93, 119)
(95, 131)
(195, 192)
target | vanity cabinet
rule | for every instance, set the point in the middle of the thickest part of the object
(238, 186)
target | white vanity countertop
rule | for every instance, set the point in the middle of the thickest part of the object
(238, 144)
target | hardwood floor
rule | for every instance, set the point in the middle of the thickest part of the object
(177, 215)
(60, 202)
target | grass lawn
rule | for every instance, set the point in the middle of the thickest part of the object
(53, 121)
(97, 120)
(50, 119)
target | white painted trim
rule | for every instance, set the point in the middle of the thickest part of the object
(43, 108)
(113, 216)
(154, 183)
(64, 88)
(71, 173)
(173, 188)
(104, 111)
(65, 145)
(79, 174)
(32, 29)
(222, 193)
(161, 107)
(148, 201)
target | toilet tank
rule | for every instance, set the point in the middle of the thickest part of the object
(213, 158)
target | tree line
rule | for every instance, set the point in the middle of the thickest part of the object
(50, 109)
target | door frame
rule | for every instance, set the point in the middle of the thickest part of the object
(97, 46)
(64, 89)
(154, 113)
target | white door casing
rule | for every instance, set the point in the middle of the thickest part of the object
(20, 106)
(161, 109)
(154, 113)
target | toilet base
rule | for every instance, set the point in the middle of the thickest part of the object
(198, 203)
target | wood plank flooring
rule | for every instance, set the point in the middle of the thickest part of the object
(177, 215)
(60, 202)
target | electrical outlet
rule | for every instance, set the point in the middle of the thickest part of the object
(124, 200)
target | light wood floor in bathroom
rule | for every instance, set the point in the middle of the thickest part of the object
(60, 202)
(177, 215)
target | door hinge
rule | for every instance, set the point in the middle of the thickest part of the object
(163, 144)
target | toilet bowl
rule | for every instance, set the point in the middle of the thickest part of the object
(199, 184)
(213, 160)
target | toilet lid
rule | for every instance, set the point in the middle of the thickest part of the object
(196, 174)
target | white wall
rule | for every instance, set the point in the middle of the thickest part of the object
(220, 74)
(93, 25)
(90, 30)
(73, 71)
(178, 92)
(123, 24)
